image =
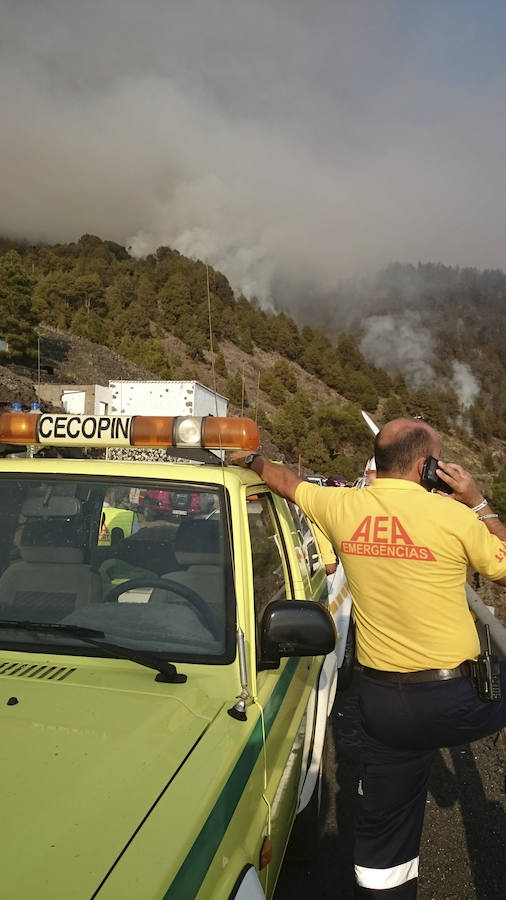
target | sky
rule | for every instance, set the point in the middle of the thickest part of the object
(288, 143)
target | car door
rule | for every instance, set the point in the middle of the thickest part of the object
(283, 693)
(308, 551)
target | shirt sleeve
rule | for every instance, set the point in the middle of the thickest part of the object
(314, 502)
(485, 551)
(326, 548)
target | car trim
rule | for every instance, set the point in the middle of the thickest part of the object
(189, 878)
(247, 885)
(324, 692)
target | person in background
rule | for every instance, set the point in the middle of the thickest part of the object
(116, 514)
(405, 552)
(370, 471)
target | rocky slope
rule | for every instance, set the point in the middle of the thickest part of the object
(69, 359)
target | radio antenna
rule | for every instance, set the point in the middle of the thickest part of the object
(239, 710)
(211, 341)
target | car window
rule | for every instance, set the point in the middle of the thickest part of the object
(307, 542)
(267, 551)
(301, 522)
(93, 553)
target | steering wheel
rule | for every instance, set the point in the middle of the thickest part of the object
(197, 603)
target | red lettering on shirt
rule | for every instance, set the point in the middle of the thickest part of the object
(363, 530)
(385, 537)
(399, 533)
(388, 551)
(380, 529)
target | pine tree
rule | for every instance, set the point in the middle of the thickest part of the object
(273, 386)
(220, 365)
(17, 316)
(88, 325)
(245, 341)
(393, 408)
(174, 300)
(154, 358)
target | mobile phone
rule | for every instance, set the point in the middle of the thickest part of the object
(430, 480)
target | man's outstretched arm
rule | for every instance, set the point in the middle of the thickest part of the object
(279, 478)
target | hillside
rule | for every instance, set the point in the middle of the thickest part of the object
(97, 315)
(76, 360)
(150, 318)
(305, 386)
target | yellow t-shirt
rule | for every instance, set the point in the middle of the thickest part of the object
(115, 517)
(405, 553)
(325, 547)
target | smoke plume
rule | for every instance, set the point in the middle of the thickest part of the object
(402, 344)
(287, 143)
(464, 384)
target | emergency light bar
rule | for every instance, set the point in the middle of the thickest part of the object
(213, 433)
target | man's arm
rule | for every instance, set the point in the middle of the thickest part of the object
(279, 478)
(465, 490)
(282, 481)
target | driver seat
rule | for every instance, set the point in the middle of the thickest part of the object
(198, 547)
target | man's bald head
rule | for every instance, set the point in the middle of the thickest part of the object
(402, 442)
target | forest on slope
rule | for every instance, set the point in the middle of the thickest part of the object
(391, 345)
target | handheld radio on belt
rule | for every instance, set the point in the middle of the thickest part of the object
(486, 673)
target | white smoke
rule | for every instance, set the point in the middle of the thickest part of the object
(464, 384)
(274, 139)
(400, 344)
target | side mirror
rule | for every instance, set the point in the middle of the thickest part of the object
(295, 628)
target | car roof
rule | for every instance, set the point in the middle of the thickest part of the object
(166, 471)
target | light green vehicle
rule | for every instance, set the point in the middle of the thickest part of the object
(163, 695)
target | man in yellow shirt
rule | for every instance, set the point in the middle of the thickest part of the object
(116, 514)
(405, 552)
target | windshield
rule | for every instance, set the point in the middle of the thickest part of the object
(148, 564)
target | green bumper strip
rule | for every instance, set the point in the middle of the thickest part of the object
(194, 869)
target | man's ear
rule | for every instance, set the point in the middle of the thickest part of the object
(419, 467)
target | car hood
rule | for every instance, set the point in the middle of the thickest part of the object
(82, 764)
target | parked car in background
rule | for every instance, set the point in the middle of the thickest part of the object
(155, 504)
(336, 481)
(171, 505)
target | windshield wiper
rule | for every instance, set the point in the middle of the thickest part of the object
(167, 671)
(28, 625)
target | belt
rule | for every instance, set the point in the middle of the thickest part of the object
(464, 670)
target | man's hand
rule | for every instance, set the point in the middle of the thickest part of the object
(279, 478)
(465, 490)
(462, 483)
(237, 457)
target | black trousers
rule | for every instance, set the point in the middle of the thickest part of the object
(403, 726)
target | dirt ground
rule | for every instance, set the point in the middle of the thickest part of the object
(462, 848)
